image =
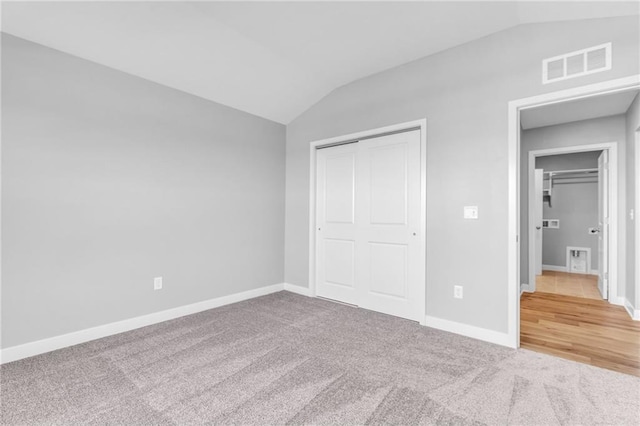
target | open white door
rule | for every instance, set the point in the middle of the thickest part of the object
(603, 224)
(537, 217)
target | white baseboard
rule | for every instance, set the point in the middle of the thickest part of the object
(26, 350)
(487, 335)
(554, 268)
(525, 288)
(620, 301)
(564, 269)
(633, 313)
(303, 291)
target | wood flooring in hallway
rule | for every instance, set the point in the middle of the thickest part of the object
(582, 329)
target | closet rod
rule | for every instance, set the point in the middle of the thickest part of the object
(566, 172)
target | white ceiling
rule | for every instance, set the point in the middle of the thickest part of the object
(581, 109)
(272, 59)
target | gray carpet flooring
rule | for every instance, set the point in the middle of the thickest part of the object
(288, 359)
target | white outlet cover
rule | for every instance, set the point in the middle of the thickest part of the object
(457, 291)
(470, 212)
(157, 283)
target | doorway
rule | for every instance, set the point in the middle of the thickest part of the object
(573, 221)
(514, 237)
(564, 310)
(368, 220)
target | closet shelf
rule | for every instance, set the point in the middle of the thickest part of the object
(559, 177)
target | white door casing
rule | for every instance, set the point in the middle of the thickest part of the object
(637, 226)
(368, 224)
(603, 224)
(513, 213)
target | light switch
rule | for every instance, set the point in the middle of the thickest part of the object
(470, 212)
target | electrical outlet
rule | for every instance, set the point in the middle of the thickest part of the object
(157, 283)
(457, 291)
(470, 212)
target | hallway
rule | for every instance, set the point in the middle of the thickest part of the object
(568, 284)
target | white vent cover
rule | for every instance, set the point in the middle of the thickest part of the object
(575, 64)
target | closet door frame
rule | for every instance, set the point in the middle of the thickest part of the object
(315, 145)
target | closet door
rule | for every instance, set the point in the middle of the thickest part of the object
(336, 223)
(367, 224)
(389, 224)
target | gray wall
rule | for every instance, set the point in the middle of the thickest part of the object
(109, 180)
(464, 93)
(575, 204)
(633, 124)
(586, 132)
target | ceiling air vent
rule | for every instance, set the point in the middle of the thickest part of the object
(575, 64)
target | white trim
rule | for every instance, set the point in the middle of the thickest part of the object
(635, 216)
(313, 146)
(513, 226)
(1, 197)
(26, 350)
(513, 155)
(554, 268)
(302, 291)
(617, 301)
(612, 147)
(633, 313)
(584, 52)
(484, 334)
(564, 269)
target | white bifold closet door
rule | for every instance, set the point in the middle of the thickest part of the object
(367, 224)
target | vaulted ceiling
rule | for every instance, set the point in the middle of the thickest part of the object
(272, 59)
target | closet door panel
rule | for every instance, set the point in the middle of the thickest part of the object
(339, 188)
(388, 185)
(388, 224)
(388, 263)
(339, 257)
(335, 223)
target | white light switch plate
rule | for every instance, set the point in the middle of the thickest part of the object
(470, 212)
(157, 283)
